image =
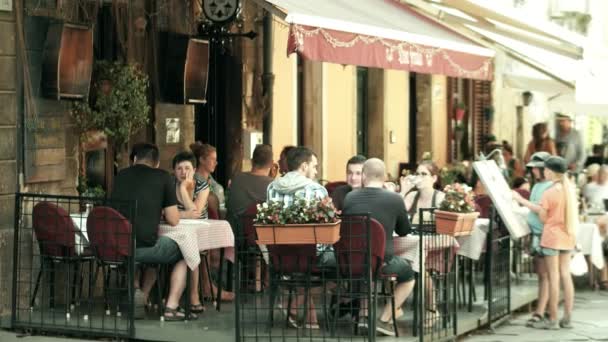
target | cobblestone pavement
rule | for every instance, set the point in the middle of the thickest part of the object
(590, 321)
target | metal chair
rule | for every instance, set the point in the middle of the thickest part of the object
(55, 232)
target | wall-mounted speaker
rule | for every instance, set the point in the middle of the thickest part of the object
(186, 69)
(67, 61)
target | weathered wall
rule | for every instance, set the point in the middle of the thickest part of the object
(439, 117)
(340, 119)
(8, 152)
(285, 97)
(185, 114)
(396, 120)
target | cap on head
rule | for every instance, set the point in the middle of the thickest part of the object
(538, 159)
(563, 116)
(556, 164)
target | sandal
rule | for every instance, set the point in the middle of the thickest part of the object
(174, 315)
(534, 319)
(197, 308)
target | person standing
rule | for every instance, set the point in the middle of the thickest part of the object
(558, 211)
(569, 143)
(541, 142)
(537, 165)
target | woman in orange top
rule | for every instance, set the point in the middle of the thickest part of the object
(558, 210)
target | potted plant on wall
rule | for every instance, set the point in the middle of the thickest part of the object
(457, 213)
(117, 108)
(302, 222)
(460, 111)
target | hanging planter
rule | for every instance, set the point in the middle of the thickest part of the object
(298, 234)
(460, 111)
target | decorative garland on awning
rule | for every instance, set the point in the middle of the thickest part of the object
(406, 53)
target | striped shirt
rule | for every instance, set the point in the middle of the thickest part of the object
(200, 186)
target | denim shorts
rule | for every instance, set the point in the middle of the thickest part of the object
(164, 251)
(400, 267)
(552, 252)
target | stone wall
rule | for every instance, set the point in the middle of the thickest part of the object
(8, 153)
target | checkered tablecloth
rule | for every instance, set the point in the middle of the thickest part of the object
(194, 236)
(408, 247)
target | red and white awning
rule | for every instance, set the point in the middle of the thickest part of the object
(380, 34)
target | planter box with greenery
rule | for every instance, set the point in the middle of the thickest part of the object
(457, 213)
(302, 222)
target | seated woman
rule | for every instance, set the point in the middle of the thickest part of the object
(425, 195)
(192, 204)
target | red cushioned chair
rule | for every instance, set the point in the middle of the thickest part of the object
(352, 258)
(110, 235)
(331, 186)
(55, 232)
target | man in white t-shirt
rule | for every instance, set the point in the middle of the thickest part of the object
(596, 192)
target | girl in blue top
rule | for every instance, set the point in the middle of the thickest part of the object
(536, 164)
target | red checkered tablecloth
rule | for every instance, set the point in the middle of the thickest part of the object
(194, 236)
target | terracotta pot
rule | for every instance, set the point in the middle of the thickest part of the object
(455, 224)
(298, 234)
(459, 114)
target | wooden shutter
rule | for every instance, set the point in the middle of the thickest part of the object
(482, 113)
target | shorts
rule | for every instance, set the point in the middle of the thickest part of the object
(552, 252)
(400, 267)
(164, 251)
(535, 248)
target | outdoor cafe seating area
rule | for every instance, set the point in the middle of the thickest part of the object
(78, 278)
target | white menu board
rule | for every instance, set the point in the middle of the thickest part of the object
(499, 191)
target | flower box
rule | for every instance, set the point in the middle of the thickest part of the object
(298, 234)
(455, 224)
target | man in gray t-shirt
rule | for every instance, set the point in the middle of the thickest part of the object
(569, 143)
(388, 208)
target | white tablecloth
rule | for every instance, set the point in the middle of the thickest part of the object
(590, 241)
(81, 238)
(472, 245)
(194, 236)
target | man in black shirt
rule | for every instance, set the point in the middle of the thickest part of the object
(154, 192)
(386, 207)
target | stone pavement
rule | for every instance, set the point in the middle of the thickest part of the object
(590, 321)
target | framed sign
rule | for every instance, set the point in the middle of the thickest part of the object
(500, 193)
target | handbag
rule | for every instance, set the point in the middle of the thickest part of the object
(578, 265)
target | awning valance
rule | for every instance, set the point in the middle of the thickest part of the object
(381, 34)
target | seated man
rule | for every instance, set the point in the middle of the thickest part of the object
(154, 191)
(354, 168)
(298, 182)
(386, 207)
(247, 188)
